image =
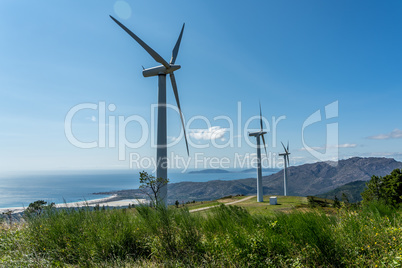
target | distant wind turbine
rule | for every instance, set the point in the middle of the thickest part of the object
(161, 71)
(259, 172)
(285, 170)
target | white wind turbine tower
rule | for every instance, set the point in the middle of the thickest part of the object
(285, 170)
(259, 171)
(161, 71)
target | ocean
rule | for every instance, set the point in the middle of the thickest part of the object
(59, 187)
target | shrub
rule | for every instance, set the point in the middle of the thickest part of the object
(387, 189)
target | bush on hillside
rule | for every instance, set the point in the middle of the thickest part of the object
(387, 189)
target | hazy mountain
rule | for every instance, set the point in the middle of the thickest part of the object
(304, 180)
(216, 170)
(263, 170)
(206, 171)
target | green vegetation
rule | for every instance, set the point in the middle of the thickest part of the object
(152, 186)
(36, 207)
(387, 189)
(285, 203)
(314, 201)
(352, 191)
(223, 236)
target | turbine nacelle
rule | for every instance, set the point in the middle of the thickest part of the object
(286, 153)
(154, 71)
(255, 134)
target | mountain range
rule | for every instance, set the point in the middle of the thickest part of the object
(308, 179)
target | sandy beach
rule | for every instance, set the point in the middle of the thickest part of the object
(110, 201)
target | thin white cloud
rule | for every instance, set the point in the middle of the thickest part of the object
(211, 133)
(395, 134)
(91, 118)
(345, 145)
(171, 138)
(383, 154)
(314, 148)
(11, 134)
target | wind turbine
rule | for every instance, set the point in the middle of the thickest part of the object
(259, 172)
(161, 71)
(285, 170)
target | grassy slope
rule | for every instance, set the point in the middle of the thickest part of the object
(202, 204)
(285, 203)
(227, 236)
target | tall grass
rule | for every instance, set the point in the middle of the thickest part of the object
(86, 236)
(226, 236)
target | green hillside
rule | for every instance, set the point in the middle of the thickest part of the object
(352, 190)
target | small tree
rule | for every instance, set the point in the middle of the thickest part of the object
(336, 204)
(38, 206)
(8, 214)
(177, 203)
(311, 201)
(345, 198)
(152, 186)
(374, 190)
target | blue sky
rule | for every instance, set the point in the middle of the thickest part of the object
(296, 57)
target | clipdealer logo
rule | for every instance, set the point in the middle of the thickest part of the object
(112, 131)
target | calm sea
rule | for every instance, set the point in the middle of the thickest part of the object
(20, 190)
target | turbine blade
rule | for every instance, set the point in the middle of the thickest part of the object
(287, 156)
(261, 117)
(176, 47)
(176, 94)
(283, 147)
(265, 147)
(150, 51)
(287, 150)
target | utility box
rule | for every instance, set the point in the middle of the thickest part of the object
(273, 200)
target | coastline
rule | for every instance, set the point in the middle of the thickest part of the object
(111, 201)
